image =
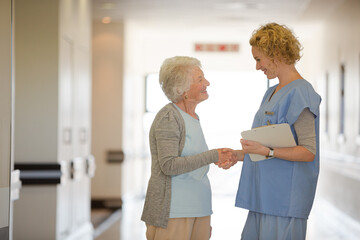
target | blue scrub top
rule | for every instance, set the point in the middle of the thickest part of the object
(276, 186)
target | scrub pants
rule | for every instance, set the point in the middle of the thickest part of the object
(193, 228)
(260, 226)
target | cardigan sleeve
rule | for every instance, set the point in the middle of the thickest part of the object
(168, 137)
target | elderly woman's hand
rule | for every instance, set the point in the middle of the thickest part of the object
(228, 158)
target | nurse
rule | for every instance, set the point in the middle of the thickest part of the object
(279, 191)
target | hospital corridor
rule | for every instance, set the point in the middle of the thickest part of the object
(79, 91)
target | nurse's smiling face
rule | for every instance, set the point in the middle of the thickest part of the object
(264, 63)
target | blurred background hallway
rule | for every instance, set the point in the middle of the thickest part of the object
(79, 89)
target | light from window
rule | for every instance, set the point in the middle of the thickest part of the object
(155, 98)
(342, 99)
(327, 102)
(234, 98)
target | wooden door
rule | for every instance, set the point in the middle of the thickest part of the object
(5, 117)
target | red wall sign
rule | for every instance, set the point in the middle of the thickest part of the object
(214, 47)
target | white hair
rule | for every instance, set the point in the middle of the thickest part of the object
(175, 76)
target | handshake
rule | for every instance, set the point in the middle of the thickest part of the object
(229, 157)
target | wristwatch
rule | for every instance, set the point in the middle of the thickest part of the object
(271, 153)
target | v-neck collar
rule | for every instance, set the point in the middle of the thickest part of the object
(273, 95)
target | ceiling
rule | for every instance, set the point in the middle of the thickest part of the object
(213, 10)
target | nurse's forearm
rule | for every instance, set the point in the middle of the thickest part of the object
(296, 154)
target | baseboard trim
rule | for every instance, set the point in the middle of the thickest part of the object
(108, 203)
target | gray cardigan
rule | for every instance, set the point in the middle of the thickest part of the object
(167, 139)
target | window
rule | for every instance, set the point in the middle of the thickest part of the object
(234, 98)
(327, 103)
(342, 100)
(155, 98)
(359, 98)
(358, 132)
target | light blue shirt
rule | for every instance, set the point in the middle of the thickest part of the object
(276, 186)
(191, 192)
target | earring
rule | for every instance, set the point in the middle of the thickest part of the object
(186, 96)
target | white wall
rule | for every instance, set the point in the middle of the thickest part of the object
(107, 110)
(340, 167)
(342, 46)
(40, 48)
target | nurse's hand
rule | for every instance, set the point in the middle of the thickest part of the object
(254, 147)
(229, 158)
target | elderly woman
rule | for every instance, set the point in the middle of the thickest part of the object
(280, 190)
(178, 198)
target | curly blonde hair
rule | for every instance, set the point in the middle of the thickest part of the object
(175, 76)
(277, 42)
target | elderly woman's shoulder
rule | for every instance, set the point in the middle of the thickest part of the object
(167, 108)
(168, 111)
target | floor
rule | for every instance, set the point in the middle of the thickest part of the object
(325, 221)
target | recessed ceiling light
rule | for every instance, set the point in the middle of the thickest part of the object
(106, 20)
(234, 5)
